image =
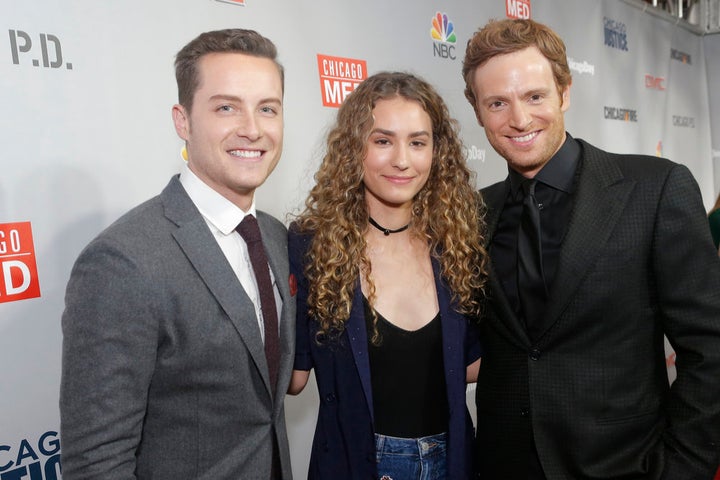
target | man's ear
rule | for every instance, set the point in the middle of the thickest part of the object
(181, 121)
(565, 98)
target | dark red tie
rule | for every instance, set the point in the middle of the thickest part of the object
(250, 232)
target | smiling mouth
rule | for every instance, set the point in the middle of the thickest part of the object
(525, 138)
(246, 153)
(399, 179)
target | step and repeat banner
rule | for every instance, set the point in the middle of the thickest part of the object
(711, 44)
(86, 90)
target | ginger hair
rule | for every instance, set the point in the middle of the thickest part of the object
(500, 37)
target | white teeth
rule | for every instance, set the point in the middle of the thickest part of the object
(525, 138)
(246, 153)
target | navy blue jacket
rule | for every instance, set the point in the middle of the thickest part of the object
(344, 443)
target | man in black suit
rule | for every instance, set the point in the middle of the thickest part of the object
(595, 258)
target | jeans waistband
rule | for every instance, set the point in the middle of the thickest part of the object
(419, 446)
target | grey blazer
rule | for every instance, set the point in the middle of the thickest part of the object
(163, 369)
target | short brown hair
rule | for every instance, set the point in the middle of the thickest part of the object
(500, 37)
(232, 40)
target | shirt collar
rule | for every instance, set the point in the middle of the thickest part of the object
(558, 172)
(216, 209)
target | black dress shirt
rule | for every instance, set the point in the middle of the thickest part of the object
(554, 190)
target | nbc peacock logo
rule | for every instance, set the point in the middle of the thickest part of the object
(442, 29)
(443, 34)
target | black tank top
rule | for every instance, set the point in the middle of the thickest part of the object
(408, 379)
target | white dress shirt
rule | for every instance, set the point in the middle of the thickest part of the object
(222, 216)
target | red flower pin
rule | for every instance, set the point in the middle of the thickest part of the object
(292, 281)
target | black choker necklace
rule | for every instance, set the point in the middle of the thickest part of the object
(387, 231)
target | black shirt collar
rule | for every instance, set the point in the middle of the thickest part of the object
(558, 172)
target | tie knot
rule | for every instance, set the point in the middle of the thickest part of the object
(249, 229)
(528, 186)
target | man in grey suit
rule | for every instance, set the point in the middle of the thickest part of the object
(175, 359)
(595, 257)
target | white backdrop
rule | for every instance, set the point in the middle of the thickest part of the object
(86, 89)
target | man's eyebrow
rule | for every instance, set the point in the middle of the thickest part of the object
(235, 98)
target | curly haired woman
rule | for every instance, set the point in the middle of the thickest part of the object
(390, 271)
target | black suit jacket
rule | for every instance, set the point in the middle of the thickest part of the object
(637, 263)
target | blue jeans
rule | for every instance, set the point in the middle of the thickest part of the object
(411, 458)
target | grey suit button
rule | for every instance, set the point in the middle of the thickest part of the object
(534, 354)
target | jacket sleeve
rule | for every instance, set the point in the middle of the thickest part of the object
(298, 245)
(687, 270)
(473, 345)
(109, 349)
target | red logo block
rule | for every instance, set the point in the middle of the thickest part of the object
(338, 77)
(658, 83)
(18, 269)
(517, 8)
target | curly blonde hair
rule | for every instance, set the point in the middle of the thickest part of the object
(446, 211)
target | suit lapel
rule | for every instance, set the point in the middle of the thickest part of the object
(197, 242)
(357, 336)
(601, 196)
(444, 303)
(276, 251)
(450, 323)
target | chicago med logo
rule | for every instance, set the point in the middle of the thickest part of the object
(443, 32)
(517, 8)
(49, 50)
(39, 460)
(338, 77)
(680, 56)
(613, 113)
(18, 270)
(615, 34)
